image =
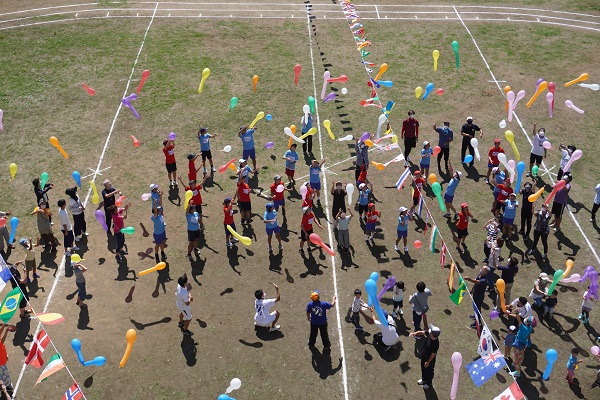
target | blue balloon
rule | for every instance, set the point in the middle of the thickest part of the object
(77, 178)
(225, 397)
(76, 346)
(551, 357)
(520, 170)
(96, 362)
(374, 276)
(14, 222)
(371, 288)
(468, 159)
(428, 89)
(269, 117)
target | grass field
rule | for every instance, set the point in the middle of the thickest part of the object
(41, 96)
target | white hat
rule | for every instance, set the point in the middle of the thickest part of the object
(362, 185)
(425, 143)
(459, 174)
(153, 186)
(241, 160)
(434, 330)
(469, 118)
(304, 209)
(402, 209)
(544, 276)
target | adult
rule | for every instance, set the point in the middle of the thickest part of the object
(362, 157)
(561, 198)
(538, 293)
(428, 354)
(108, 199)
(493, 161)
(170, 163)
(538, 151)
(520, 344)
(419, 305)
(247, 135)
(306, 227)
(519, 309)
(263, 317)
(159, 233)
(271, 225)
(183, 301)
(338, 191)
(78, 271)
(478, 292)
(410, 134)
(5, 236)
(596, 205)
(306, 124)
(291, 157)
(526, 209)
(41, 193)
(78, 211)
(193, 229)
(541, 230)
(388, 335)
(316, 313)
(445, 137)
(119, 215)
(204, 138)
(66, 227)
(508, 274)
(44, 223)
(20, 282)
(468, 132)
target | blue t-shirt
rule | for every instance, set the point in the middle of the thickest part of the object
(270, 215)
(572, 362)
(245, 171)
(523, 333)
(155, 199)
(204, 142)
(427, 153)
(405, 226)
(318, 312)
(364, 197)
(248, 139)
(510, 209)
(192, 221)
(499, 179)
(445, 135)
(306, 124)
(451, 188)
(293, 155)
(315, 177)
(159, 224)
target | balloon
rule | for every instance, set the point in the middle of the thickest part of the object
(158, 267)
(96, 362)
(590, 272)
(136, 143)
(572, 278)
(223, 168)
(54, 142)
(3, 221)
(172, 136)
(205, 75)
(417, 244)
(380, 122)
(76, 177)
(235, 384)
(455, 47)
(254, 83)
(188, 196)
(569, 265)
(468, 159)
(280, 188)
(371, 288)
(350, 192)
(547, 145)
(382, 68)
(1, 115)
(310, 132)
(146, 196)
(303, 190)
(258, 117)
(365, 136)
(327, 125)
(558, 274)
(224, 397)
(232, 103)
(533, 197)
(316, 239)
(432, 178)
(437, 189)
(506, 90)
(120, 200)
(386, 83)
(269, 145)
(226, 149)
(326, 76)
(268, 117)
(510, 99)
(428, 90)
(374, 275)
(595, 350)
(76, 258)
(436, 55)
(494, 314)
(439, 92)
(13, 169)
(512, 165)
(520, 170)
(574, 157)
(581, 78)
(245, 240)
(329, 97)
(551, 357)
(232, 167)
(88, 89)
(344, 90)
(510, 137)
(293, 129)
(551, 89)
(543, 86)
(130, 336)
(550, 100)
(504, 161)
(535, 169)
(127, 103)
(559, 185)
(389, 283)
(341, 79)
(501, 286)
(130, 230)
(95, 197)
(377, 165)
(456, 364)
(311, 105)
(44, 177)
(395, 139)
(369, 142)
(502, 124)
(572, 106)
(14, 223)
(76, 346)
(297, 69)
(418, 91)
(436, 150)
(475, 145)
(594, 86)
(145, 75)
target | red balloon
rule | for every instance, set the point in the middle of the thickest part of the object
(316, 239)
(439, 92)
(2, 222)
(223, 168)
(418, 244)
(436, 150)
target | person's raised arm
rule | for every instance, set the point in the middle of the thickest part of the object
(278, 298)
(333, 301)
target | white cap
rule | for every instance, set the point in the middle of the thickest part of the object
(512, 328)
(362, 185)
(435, 330)
(425, 143)
(241, 160)
(304, 209)
(544, 276)
(469, 118)
(153, 186)
(402, 209)
(459, 174)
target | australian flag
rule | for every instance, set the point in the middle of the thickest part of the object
(486, 367)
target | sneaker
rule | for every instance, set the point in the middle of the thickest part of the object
(522, 232)
(36, 276)
(487, 181)
(455, 215)
(473, 325)
(280, 247)
(367, 241)
(270, 249)
(156, 257)
(77, 238)
(545, 257)
(213, 169)
(580, 317)
(406, 249)
(401, 312)
(180, 324)
(420, 382)
(229, 244)
(124, 253)
(359, 328)
(67, 254)
(446, 215)
(275, 328)
(528, 174)
(204, 170)
(187, 332)
(585, 321)
(175, 183)
(472, 316)
(395, 247)
(189, 256)
(163, 256)
(485, 260)
(85, 234)
(529, 252)
(592, 219)
(234, 240)
(372, 242)
(394, 314)
(75, 248)
(301, 251)
(515, 374)
(196, 250)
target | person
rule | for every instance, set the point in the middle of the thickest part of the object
(263, 317)
(462, 226)
(243, 170)
(66, 228)
(228, 220)
(183, 301)
(426, 153)
(192, 170)
(247, 135)
(419, 305)
(538, 151)
(417, 185)
(363, 199)
(494, 262)
(291, 157)
(357, 305)
(428, 354)
(316, 314)
(306, 124)
(362, 156)
(508, 273)
(196, 190)
(565, 156)
(541, 230)
(278, 196)
(492, 230)
(526, 209)
(204, 138)
(20, 282)
(402, 229)
(509, 339)
(410, 134)
(108, 199)
(45, 225)
(306, 227)
(550, 304)
(119, 215)
(343, 222)
(478, 292)
(315, 178)
(510, 212)
(30, 263)
(505, 190)
(4, 235)
(193, 228)
(519, 309)
(520, 344)
(78, 270)
(6, 388)
(498, 178)
(309, 196)
(586, 306)
(78, 211)
(538, 293)
(244, 202)
(41, 193)
(270, 219)
(571, 364)
(159, 233)
(561, 198)
(398, 299)
(450, 191)
(445, 137)
(596, 204)
(493, 161)
(170, 163)
(372, 216)
(388, 335)
(156, 195)
(468, 132)
(338, 192)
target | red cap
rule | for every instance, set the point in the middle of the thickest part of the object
(496, 141)
(464, 205)
(371, 204)
(417, 172)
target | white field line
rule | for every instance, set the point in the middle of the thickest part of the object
(587, 240)
(61, 268)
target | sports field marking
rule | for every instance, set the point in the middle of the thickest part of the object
(61, 268)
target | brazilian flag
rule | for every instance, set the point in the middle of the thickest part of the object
(458, 295)
(10, 304)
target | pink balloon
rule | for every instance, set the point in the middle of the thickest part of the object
(510, 98)
(2, 222)
(547, 145)
(595, 350)
(574, 157)
(417, 244)
(436, 150)
(279, 189)
(316, 239)
(456, 364)
(146, 196)
(550, 100)
(559, 185)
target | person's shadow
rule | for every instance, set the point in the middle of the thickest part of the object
(174, 195)
(123, 271)
(275, 261)
(84, 319)
(188, 347)
(234, 258)
(322, 363)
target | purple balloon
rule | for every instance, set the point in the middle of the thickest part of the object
(391, 281)
(135, 113)
(588, 270)
(538, 83)
(494, 314)
(269, 145)
(329, 97)
(131, 97)
(365, 136)
(100, 217)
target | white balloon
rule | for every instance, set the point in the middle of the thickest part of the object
(235, 384)
(303, 190)
(146, 196)
(287, 131)
(502, 124)
(306, 109)
(347, 137)
(350, 192)
(227, 149)
(344, 90)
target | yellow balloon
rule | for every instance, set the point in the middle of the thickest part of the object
(205, 75)
(95, 197)
(369, 142)
(509, 136)
(436, 55)
(569, 264)
(260, 115)
(418, 91)
(76, 258)
(533, 197)
(382, 68)
(130, 336)
(245, 240)
(158, 267)
(188, 196)
(395, 139)
(327, 125)
(432, 179)
(310, 132)
(13, 169)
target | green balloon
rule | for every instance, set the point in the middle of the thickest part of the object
(44, 179)
(311, 104)
(455, 47)
(557, 277)
(535, 170)
(437, 189)
(232, 103)
(128, 230)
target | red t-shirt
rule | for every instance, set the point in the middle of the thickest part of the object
(196, 194)
(228, 215)
(169, 154)
(307, 221)
(362, 178)
(372, 216)
(410, 128)
(493, 154)
(274, 193)
(308, 198)
(505, 191)
(118, 221)
(191, 170)
(244, 192)
(419, 184)
(463, 222)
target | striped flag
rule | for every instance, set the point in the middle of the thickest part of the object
(73, 393)
(432, 239)
(443, 256)
(34, 357)
(55, 364)
(5, 274)
(426, 222)
(421, 203)
(477, 313)
(403, 178)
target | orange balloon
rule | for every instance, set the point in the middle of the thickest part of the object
(293, 128)
(254, 82)
(54, 142)
(290, 142)
(506, 90)
(432, 178)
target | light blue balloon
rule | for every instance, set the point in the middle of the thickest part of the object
(520, 170)
(14, 222)
(76, 346)
(551, 357)
(428, 89)
(468, 159)
(371, 288)
(374, 276)
(96, 362)
(269, 117)
(77, 178)
(386, 83)
(225, 397)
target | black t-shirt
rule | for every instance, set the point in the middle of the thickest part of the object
(470, 130)
(17, 278)
(431, 346)
(526, 205)
(108, 201)
(479, 288)
(508, 273)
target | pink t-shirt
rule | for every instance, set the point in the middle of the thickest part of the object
(118, 221)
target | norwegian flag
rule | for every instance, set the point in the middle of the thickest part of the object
(443, 256)
(34, 357)
(73, 393)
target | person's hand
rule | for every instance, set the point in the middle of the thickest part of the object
(426, 364)
(276, 287)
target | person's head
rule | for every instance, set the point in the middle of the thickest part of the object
(554, 294)
(458, 175)
(106, 184)
(434, 331)
(315, 163)
(259, 294)
(495, 170)
(500, 242)
(72, 192)
(469, 120)
(227, 201)
(512, 329)
(42, 204)
(192, 184)
(307, 184)
(411, 114)
(527, 187)
(293, 146)
(464, 207)
(371, 206)
(361, 186)
(191, 156)
(522, 301)
(203, 130)
(277, 178)
(165, 143)
(542, 132)
(426, 144)
(543, 277)
(315, 296)
(446, 125)
(36, 182)
(62, 203)
(421, 286)
(191, 209)
(484, 270)
(403, 210)
(154, 187)
(159, 210)
(243, 129)
(113, 209)
(567, 177)
(496, 143)
(269, 206)
(417, 174)
(513, 261)
(357, 293)
(571, 149)
(544, 207)
(338, 185)
(512, 196)
(400, 285)
(242, 162)
(182, 280)
(342, 215)
(24, 242)
(306, 210)
(574, 351)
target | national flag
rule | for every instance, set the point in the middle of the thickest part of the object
(40, 343)
(443, 256)
(5, 274)
(486, 367)
(55, 364)
(73, 393)
(426, 222)
(485, 342)
(388, 147)
(513, 392)
(432, 239)
(403, 178)
(451, 277)
(458, 295)
(477, 314)
(421, 203)
(10, 304)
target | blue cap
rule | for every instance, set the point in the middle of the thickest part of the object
(269, 205)
(23, 242)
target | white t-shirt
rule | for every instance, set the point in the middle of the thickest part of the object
(587, 303)
(399, 296)
(263, 308)
(597, 198)
(525, 311)
(181, 297)
(390, 336)
(564, 158)
(538, 145)
(356, 304)
(74, 206)
(64, 220)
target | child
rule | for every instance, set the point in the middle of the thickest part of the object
(30, 263)
(402, 229)
(503, 196)
(306, 228)
(66, 228)
(362, 178)
(343, 231)
(270, 219)
(196, 190)
(244, 203)
(372, 216)
(228, 220)
(509, 339)
(398, 299)
(119, 215)
(363, 199)
(450, 190)
(571, 365)
(306, 124)
(492, 231)
(508, 218)
(277, 196)
(315, 178)
(247, 135)
(159, 233)
(204, 138)
(193, 229)
(566, 152)
(586, 306)
(462, 224)
(17, 281)
(357, 305)
(417, 185)
(243, 170)
(78, 270)
(550, 304)
(291, 157)
(192, 170)
(494, 263)
(170, 164)
(309, 196)
(426, 154)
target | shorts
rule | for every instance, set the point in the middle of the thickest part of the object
(370, 227)
(193, 235)
(279, 203)
(398, 304)
(416, 201)
(171, 167)
(462, 233)
(508, 221)
(316, 185)
(424, 166)
(290, 172)
(249, 154)
(499, 205)
(227, 233)
(160, 238)
(206, 154)
(30, 264)
(535, 158)
(363, 208)
(448, 198)
(187, 313)
(402, 234)
(490, 165)
(198, 209)
(304, 235)
(496, 194)
(557, 209)
(82, 292)
(410, 143)
(268, 320)
(245, 206)
(271, 231)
